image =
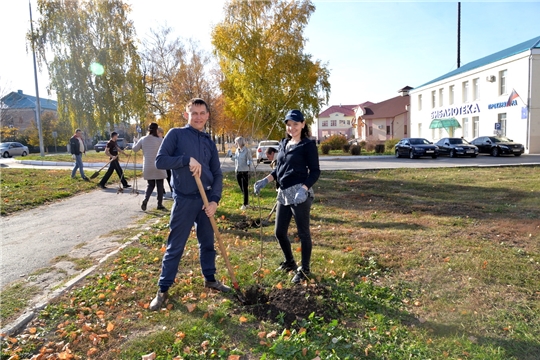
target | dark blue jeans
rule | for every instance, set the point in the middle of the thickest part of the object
(284, 214)
(185, 212)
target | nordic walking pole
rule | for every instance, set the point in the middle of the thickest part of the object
(218, 236)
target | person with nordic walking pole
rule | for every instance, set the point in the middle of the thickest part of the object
(111, 150)
(150, 145)
(297, 170)
(76, 147)
(190, 152)
(242, 162)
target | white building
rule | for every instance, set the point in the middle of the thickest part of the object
(497, 94)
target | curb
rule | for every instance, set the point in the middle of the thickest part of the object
(28, 315)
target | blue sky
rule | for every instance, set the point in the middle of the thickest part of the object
(372, 48)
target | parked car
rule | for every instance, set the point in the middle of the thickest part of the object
(497, 145)
(100, 146)
(454, 147)
(416, 147)
(129, 146)
(9, 149)
(261, 149)
(355, 141)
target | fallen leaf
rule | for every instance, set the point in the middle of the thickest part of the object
(110, 327)
(150, 356)
(180, 335)
(32, 330)
(279, 286)
(233, 357)
(261, 334)
(191, 307)
(243, 319)
(271, 334)
(91, 351)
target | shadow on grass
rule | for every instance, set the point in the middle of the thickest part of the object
(390, 225)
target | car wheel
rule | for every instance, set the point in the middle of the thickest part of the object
(411, 154)
(97, 151)
(473, 156)
(434, 156)
(5, 154)
(452, 153)
(397, 154)
(24, 153)
(495, 152)
(517, 154)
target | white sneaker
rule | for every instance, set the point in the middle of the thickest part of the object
(244, 207)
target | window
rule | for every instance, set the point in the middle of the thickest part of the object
(502, 82)
(324, 123)
(370, 130)
(451, 95)
(405, 129)
(501, 119)
(466, 127)
(420, 102)
(342, 122)
(441, 97)
(333, 122)
(387, 129)
(475, 89)
(433, 94)
(348, 122)
(465, 91)
(476, 126)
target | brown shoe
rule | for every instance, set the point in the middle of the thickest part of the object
(158, 301)
(217, 285)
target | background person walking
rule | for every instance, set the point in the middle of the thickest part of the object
(242, 161)
(154, 177)
(297, 170)
(76, 147)
(112, 149)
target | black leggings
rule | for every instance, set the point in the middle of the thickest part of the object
(243, 180)
(150, 188)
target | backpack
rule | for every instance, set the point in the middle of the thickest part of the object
(74, 146)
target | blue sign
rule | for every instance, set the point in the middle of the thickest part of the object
(524, 112)
(497, 126)
(138, 129)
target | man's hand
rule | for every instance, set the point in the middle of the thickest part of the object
(211, 209)
(195, 168)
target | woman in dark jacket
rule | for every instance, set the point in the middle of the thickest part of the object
(297, 170)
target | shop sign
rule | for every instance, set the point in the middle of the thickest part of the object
(502, 105)
(455, 111)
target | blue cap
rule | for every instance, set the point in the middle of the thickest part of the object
(294, 115)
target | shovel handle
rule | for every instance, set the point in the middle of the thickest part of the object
(217, 234)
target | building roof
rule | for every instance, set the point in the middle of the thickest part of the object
(503, 54)
(387, 109)
(18, 100)
(347, 110)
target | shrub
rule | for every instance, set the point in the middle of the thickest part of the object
(336, 142)
(379, 148)
(346, 148)
(325, 149)
(370, 146)
(356, 149)
(390, 144)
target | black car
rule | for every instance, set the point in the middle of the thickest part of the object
(497, 145)
(455, 147)
(100, 146)
(416, 147)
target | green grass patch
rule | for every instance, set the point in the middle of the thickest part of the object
(14, 297)
(415, 263)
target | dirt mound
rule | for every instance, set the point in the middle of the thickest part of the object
(286, 305)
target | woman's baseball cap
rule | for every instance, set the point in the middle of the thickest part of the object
(294, 115)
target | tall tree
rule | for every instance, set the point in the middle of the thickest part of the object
(260, 47)
(94, 67)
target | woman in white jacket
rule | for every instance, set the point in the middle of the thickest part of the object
(150, 145)
(242, 162)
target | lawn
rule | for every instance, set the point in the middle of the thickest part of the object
(407, 263)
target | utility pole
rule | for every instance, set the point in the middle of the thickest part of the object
(38, 105)
(458, 34)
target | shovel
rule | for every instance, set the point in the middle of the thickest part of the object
(95, 175)
(220, 243)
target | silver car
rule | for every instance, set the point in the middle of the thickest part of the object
(9, 149)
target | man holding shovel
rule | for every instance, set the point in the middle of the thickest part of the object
(190, 152)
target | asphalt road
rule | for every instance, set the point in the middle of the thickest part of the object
(31, 239)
